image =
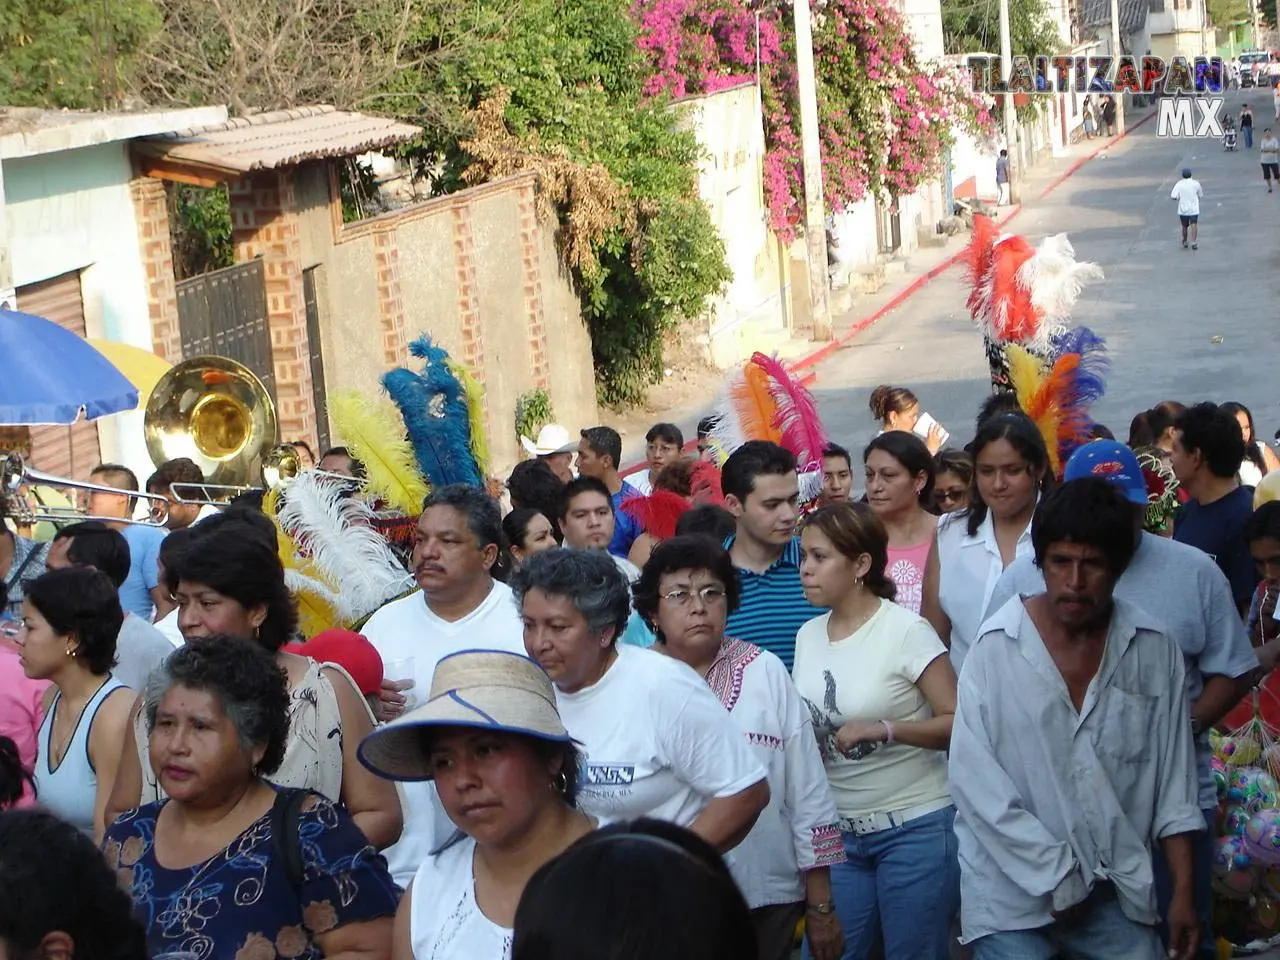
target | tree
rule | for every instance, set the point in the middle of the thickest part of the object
(254, 55)
(1226, 14)
(76, 54)
(973, 26)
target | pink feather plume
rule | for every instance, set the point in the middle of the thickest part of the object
(797, 415)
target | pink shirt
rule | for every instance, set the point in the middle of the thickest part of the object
(906, 569)
(21, 708)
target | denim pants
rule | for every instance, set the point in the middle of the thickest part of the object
(1248, 137)
(1202, 860)
(903, 882)
(1102, 933)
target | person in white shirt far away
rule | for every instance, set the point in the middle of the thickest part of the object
(459, 607)
(555, 448)
(1188, 193)
(1182, 588)
(1072, 753)
(686, 591)
(140, 647)
(664, 443)
(657, 741)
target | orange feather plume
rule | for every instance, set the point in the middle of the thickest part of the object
(753, 401)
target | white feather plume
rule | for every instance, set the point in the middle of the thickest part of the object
(299, 582)
(335, 532)
(726, 436)
(1056, 279)
(810, 485)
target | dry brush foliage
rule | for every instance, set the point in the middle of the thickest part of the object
(584, 200)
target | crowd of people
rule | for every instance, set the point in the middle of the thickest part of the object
(960, 708)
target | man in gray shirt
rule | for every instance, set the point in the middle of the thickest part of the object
(140, 647)
(1183, 590)
(1071, 755)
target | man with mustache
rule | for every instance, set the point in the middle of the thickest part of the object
(459, 606)
(1072, 752)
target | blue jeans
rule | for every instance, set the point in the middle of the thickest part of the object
(1102, 933)
(903, 882)
(1248, 137)
(1202, 860)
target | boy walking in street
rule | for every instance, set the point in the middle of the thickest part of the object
(1002, 178)
(1270, 152)
(1188, 192)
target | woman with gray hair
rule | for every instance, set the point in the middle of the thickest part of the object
(657, 741)
(229, 865)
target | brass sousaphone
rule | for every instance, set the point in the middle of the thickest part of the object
(215, 412)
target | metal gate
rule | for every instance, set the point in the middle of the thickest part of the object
(317, 358)
(889, 222)
(65, 451)
(224, 314)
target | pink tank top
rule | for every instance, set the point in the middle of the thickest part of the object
(906, 570)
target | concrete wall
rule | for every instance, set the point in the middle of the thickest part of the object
(474, 270)
(754, 310)
(1178, 30)
(924, 20)
(71, 211)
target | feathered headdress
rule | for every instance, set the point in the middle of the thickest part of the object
(375, 435)
(657, 513)
(334, 531)
(764, 401)
(317, 601)
(1055, 397)
(433, 404)
(1162, 491)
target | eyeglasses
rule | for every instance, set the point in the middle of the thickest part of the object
(681, 598)
(947, 496)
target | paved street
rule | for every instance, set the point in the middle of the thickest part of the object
(1159, 307)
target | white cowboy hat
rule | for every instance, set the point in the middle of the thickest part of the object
(482, 689)
(552, 438)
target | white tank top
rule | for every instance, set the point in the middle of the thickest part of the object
(70, 790)
(445, 923)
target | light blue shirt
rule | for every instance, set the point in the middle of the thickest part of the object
(1182, 589)
(144, 570)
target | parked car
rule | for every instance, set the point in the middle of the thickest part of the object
(1247, 61)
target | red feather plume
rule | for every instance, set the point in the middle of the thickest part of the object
(1014, 318)
(977, 262)
(657, 513)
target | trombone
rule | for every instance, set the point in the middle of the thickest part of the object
(279, 467)
(15, 474)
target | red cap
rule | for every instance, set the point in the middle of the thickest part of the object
(349, 650)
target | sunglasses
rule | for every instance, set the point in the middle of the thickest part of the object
(950, 496)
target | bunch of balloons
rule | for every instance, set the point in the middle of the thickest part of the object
(1246, 865)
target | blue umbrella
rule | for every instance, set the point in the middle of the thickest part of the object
(50, 375)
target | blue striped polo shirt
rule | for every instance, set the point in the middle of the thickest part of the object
(773, 606)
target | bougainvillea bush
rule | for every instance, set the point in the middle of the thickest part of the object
(885, 117)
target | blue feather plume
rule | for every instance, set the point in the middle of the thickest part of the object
(1089, 381)
(434, 407)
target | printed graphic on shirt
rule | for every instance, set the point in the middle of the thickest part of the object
(909, 580)
(826, 724)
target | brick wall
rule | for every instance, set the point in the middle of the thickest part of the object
(151, 211)
(386, 260)
(264, 220)
(530, 249)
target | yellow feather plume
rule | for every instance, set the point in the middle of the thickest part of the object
(1032, 385)
(474, 392)
(316, 600)
(375, 435)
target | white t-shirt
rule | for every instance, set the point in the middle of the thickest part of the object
(871, 676)
(168, 625)
(140, 648)
(629, 569)
(656, 741)
(641, 481)
(445, 922)
(1187, 192)
(407, 628)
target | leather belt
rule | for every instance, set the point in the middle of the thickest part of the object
(878, 822)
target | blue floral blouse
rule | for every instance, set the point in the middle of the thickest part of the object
(240, 905)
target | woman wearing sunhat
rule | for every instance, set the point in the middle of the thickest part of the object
(507, 775)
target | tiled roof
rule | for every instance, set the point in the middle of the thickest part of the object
(1097, 13)
(282, 138)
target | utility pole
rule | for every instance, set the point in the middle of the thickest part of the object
(815, 221)
(1010, 114)
(1116, 52)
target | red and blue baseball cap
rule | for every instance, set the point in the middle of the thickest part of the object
(1111, 461)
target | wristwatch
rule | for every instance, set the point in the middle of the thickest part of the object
(822, 908)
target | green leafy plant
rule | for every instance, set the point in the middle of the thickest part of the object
(533, 412)
(200, 224)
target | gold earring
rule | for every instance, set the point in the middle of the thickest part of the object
(71, 653)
